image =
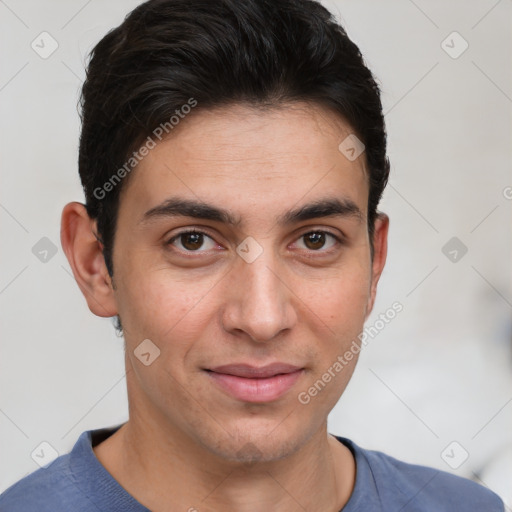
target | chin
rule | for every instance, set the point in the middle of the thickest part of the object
(252, 442)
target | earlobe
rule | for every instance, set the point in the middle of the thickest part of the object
(84, 253)
(380, 246)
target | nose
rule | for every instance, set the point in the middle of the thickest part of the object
(258, 300)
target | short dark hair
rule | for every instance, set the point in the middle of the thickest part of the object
(168, 54)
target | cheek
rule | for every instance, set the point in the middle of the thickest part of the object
(340, 305)
(157, 304)
(340, 300)
(345, 302)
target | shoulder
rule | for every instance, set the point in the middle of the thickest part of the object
(50, 489)
(420, 488)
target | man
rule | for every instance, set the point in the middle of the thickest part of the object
(233, 155)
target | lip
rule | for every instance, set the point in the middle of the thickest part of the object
(255, 384)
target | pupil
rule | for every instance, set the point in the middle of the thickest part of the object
(195, 239)
(317, 240)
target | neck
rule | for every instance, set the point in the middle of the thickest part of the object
(162, 471)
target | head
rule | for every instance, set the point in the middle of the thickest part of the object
(258, 126)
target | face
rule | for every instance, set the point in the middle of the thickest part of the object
(251, 301)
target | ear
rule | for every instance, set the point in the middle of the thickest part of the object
(85, 256)
(380, 250)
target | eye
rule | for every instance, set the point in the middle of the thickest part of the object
(316, 240)
(192, 241)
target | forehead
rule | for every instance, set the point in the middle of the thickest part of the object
(255, 160)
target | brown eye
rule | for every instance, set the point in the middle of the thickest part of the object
(316, 240)
(192, 241)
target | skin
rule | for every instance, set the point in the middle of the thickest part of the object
(187, 442)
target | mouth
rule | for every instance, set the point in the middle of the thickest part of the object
(255, 384)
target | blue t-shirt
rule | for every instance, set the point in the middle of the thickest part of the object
(78, 482)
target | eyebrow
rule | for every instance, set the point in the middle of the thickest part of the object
(180, 207)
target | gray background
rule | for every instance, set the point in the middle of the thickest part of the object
(439, 373)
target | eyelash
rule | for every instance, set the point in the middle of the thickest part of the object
(338, 239)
